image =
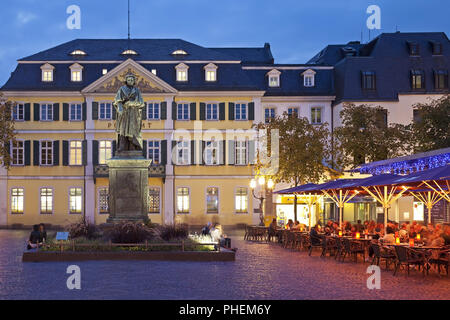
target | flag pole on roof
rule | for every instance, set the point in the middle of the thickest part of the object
(128, 24)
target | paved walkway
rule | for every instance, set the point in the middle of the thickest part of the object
(261, 271)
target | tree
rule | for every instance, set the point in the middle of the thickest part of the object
(302, 149)
(6, 130)
(365, 136)
(431, 130)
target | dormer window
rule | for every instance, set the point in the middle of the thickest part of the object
(129, 52)
(414, 48)
(179, 52)
(417, 79)
(368, 80)
(182, 72)
(309, 78)
(210, 72)
(76, 72)
(436, 47)
(47, 72)
(78, 53)
(273, 77)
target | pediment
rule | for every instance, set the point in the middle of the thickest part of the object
(146, 81)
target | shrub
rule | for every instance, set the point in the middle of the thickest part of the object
(83, 229)
(173, 232)
(130, 232)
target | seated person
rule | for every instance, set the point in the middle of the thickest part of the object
(446, 235)
(35, 238)
(43, 233)
(297, 226)
(389, 237)
(290, 224)
(206, 229)
(403, 233)
(315, 237)
(359, 227)
(273, 228)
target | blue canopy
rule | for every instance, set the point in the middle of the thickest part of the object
(440, 174)
(302, 188)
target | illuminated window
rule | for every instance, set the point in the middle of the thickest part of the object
(183, 153)
(274, 78)
(129, 51)
(316, 115)
(76, 72)
(103, 198)
(76, 76)
(182, 72)
(75, 200)
(17, 153)
(104, 151)
(76, 153)
(46, 153)
(47, 72)
(153, 199)
(179, 52)
(17, 200)
(417, 79)
(240, 152)
(241, 200)
(210, 72)
(182, 200)
(308, 78)
(78, 53)
(154, 71)
(46, 200)
(212, 200)
(211, 152)
(104, 71)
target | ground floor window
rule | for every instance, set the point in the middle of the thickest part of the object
(183, 200)
(241, 200)
(17, 200)
(212, 200)
(75, 200)
(46, 200)
(154, 198)
(103, 198)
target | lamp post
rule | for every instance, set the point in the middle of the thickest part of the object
(265, 185)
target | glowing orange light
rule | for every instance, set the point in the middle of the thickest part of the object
(411, 242)
(418, 236)
(340, 233)
(357, 235)
(397, 240)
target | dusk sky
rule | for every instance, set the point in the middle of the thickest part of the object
(296, 29)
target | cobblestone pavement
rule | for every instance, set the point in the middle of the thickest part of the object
(261, 271)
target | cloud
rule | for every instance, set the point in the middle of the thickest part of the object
(25, 17)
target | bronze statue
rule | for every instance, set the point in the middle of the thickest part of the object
(129, 106)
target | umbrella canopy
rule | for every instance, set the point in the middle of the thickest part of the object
(298, 189)
(437, 174)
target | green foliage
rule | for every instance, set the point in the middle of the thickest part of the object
(433, 130)
(130, 232)
(173, 231)
(365, 137)
(7, 134)
(83, 229)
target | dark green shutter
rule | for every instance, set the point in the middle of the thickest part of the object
(163, 110)
(202, 111)
(56, 112)
(164, 152)
(192, 152)
(231, 151)
(94, 152)
(84, 152)
(27, 153)
(174, 110)
(84, 110)
(193, 111)
(222, 152)
(27, 112)
(201, 152)
(174, 145)
(222, 111)
(114, 145)
(56, 153)
(36, 153)
(251, 151)
(251, 111)
(144, 148)
(94, 110)
(65, 111)
(65, 155)
(36, 110)
(144, 111)
(230, 111)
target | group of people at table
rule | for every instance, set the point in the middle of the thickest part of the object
(431, 235)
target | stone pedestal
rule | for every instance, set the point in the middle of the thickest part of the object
(128, 187)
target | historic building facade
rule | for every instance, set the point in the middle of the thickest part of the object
(201, 104)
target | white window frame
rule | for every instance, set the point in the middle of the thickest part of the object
(189, 201)
(11, 200)
(309, 78)
(248, 201)
(183, 150)
(40, 199)
(183, 107)
(159, 207)
(243, 151)
(153, 148)
(70, 199)
(153, 109)
(180, 68)
(99, 189)
(275, 75)
(11, 150)
(217, 111)
(47, 74)
(46, 104)
(71, 113)
(76, 148)
(15, 110)
(269, 108)
(210, 69)
(214, 146)
(321, 114)
(100, 148)
(206, 200)
(236, 108)
(99, 110)
(40, 152)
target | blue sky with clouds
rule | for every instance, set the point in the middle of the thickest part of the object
(296, 29)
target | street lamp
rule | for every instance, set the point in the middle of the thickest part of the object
(264, 184)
